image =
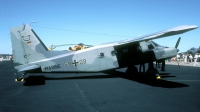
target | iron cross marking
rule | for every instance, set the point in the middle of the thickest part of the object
(75, 63)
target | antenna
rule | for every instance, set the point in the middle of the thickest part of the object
(32, 22)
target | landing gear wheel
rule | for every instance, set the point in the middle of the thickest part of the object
(131, 70)
(153, 73)
(20, 78)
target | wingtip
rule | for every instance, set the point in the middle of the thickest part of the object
(184, 27)
(190, 26)
(196, 26)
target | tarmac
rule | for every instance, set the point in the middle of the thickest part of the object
(178, 90)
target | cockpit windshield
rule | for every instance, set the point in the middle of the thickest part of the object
(151, 44)
(155, 43)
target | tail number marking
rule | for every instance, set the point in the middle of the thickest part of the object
(75, 63)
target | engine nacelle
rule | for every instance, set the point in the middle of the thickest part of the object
(165, 53)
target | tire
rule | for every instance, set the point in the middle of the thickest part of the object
(131, 70)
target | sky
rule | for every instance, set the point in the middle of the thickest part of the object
(94, 22)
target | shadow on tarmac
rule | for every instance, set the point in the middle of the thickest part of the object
(140, 78)
(156, 82)
(144, 79)
(34, 80)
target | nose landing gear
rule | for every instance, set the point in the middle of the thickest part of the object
(20, 78)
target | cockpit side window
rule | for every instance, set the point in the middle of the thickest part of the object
(155, 44)
(150, 46)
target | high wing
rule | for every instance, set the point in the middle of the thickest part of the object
(161, 34)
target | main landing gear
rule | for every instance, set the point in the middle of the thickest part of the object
(151, 71)
(131, 70)
(20, 78)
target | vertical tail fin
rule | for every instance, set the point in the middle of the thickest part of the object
(26, 45)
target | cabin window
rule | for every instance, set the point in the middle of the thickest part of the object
(101, 55)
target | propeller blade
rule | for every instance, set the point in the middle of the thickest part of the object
(178, 63)
(177, 43)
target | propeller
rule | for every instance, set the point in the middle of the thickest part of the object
(177, 43)
(163, 60)
(176, 46)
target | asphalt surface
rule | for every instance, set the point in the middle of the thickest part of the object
(178, 90)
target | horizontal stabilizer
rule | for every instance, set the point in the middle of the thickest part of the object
(29, 68)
